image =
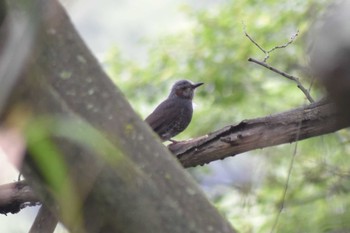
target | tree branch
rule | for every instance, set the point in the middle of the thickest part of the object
(15, 196)
(45, 221)
(142, 185)
(316, 119)
(267, 56)
(267, 52)
(284, 74)
(110, 178)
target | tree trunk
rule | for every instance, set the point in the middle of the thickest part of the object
(137, 186)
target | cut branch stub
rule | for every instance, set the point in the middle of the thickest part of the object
(14, 196)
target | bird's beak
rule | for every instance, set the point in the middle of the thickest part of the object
(194, 86)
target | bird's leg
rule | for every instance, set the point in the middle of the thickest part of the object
(173, 141)
(19, 176)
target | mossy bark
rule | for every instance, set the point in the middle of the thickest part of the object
(146, 189)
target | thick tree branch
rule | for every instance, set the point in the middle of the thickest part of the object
(105, 172)
(316, 119)
(15, 196)
(45, 221)
(146, 185)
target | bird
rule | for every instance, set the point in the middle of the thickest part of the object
(174, 114)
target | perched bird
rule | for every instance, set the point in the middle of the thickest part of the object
(174, 114)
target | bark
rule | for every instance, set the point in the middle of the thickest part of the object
(137, 186)
(313, 120)
(141, 188)
(16, 196)
(45, 221)
(301, 123)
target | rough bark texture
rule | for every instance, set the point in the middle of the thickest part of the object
(15, 196)
(314, 120)
(142, 188)
(45, 221)
(298, 124)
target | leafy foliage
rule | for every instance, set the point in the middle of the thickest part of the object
(215, 51)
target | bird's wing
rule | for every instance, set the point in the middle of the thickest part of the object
(162, 117)
(163, 114)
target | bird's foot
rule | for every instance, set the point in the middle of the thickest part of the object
(173, 141)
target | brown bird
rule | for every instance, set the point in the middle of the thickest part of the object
(174, 114)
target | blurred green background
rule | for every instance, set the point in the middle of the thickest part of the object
(248, 188)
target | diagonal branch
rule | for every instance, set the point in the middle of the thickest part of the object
(111, 184)
(15, 196)
(288, 76)
(267, 56)
(317, 119)
(267, 52)
(45, 221)
(291, 40)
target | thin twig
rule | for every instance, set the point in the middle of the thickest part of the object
(301, 87)
(288, 76)
(267, 56)
(306, 93)
(291, 165)
(291, 40)
(252, 40)
(286, 186)
(267, 52)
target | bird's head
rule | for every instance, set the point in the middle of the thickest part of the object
(184, 89)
